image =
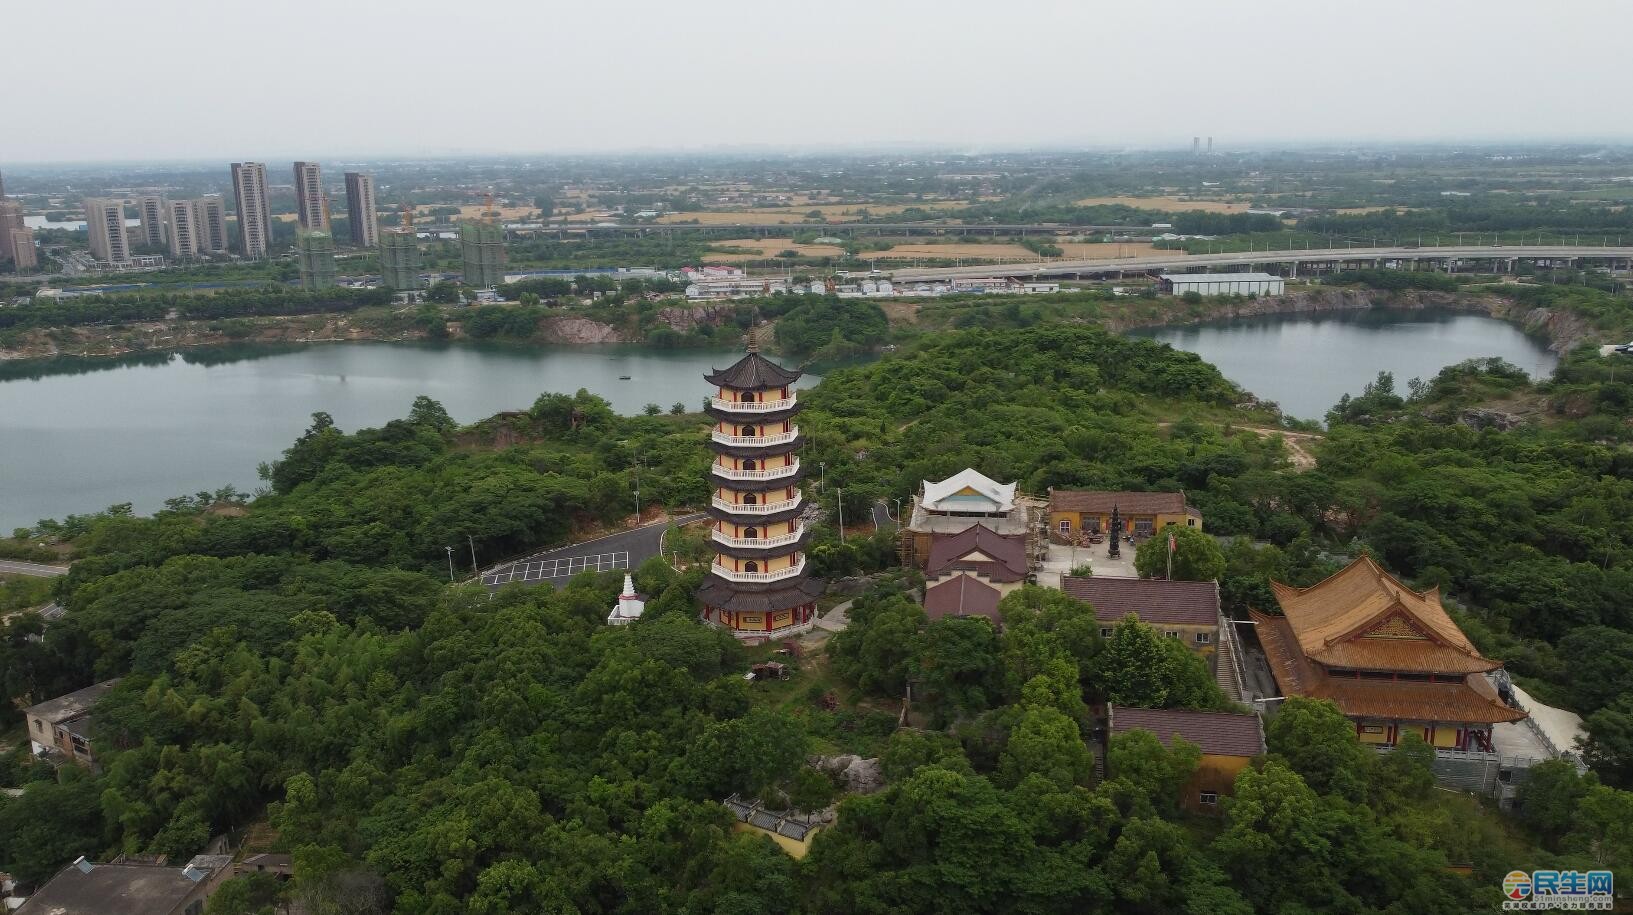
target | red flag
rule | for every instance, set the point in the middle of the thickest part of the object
(1171, 546)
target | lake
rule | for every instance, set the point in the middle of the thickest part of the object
(78, 435)
(1305, 363)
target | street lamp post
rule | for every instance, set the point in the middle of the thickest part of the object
(839, 503)
(471, 539)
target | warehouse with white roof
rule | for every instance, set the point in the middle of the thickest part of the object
(1223, 283)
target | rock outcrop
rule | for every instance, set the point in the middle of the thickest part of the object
(575, 331)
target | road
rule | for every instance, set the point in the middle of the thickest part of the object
(13, 567)
(1180, 260)
(614, 552)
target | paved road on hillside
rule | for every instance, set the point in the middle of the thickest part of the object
(614, 552)
(13, 567)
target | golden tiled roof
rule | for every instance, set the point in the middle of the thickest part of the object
(1465, 699)
(1362, 617)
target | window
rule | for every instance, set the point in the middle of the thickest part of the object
(751, 566)
(748, 397)
(1105, 632)
(1065, 525)
(1208, 798)
(1172, 633)
(751, 499)
(1203, 638)
(751, 533)
(1190, 522)
(746, 430)
(750, 465)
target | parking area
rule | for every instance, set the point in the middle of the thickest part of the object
(552, 569)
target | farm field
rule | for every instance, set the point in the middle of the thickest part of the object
(835, 212)
(1169, 203)
(768, 247)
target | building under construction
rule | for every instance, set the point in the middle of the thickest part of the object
(400, 261)
(483, 247)
(316, 253)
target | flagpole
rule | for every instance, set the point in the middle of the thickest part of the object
(1170, 575)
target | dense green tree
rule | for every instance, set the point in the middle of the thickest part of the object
(1318, 742)
(1197, 556)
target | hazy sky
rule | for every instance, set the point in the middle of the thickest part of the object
(227, 79)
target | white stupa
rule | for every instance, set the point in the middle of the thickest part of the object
(629, 606)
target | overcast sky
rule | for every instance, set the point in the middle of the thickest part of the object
(228, 79)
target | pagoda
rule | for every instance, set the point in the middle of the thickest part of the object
(757, 587)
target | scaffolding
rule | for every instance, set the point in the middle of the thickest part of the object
(482, 246)
(316, 253)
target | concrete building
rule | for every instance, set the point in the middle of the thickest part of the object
(63, 725)
(1229, 742)
(11, 223)
(1223, 283)
(105, 222)
(130, 887)
(309, 208)
(482, 247)
(210, 217)
(151, 209)
(316, 253)
(400, 261)
(951, 506)
(360, 212)
(181, 226)
(1075, 514)
(254, 214)
(20, 246)
(1183, 610)
(970, 571)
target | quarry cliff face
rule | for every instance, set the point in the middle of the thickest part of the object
(1564, 330)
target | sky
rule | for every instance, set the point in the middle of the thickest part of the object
(115, 80)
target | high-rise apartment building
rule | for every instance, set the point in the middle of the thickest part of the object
(482, 247)
(316, 254)
(105, 221)
(21, 248)
(182, 228)
(360, 209)
(210, 221)
(309, 197)
(11, 219)
(151, 208)
(400, 261)
(254, 215)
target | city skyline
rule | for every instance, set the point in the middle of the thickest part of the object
(1045, 74)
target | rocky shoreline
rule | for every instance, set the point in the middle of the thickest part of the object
(1564, 331)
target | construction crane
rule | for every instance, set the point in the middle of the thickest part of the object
(488, 212)
(407, 219)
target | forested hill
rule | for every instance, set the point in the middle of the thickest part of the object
(422, 747)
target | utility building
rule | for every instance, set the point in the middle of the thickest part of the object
(316, 252)
(1223, 283)
(483, 248)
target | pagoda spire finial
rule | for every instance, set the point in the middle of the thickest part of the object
(753, 339)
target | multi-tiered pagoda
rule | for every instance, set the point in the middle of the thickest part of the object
(757, 587)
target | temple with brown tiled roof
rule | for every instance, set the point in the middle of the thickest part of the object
(1388, 657)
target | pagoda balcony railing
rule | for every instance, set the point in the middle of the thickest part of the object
(752, 406)
(797, 568)
(752, 542)
(775, 473)
(758, 508)
(779, 438)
